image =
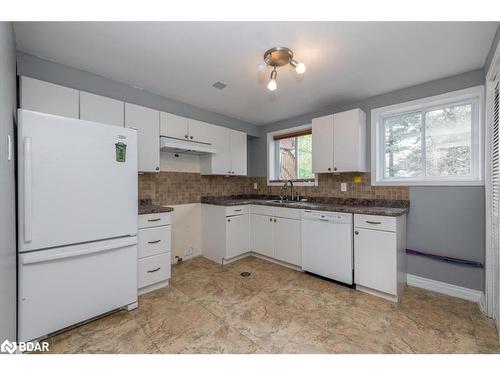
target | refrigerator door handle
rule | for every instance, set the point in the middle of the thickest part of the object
(27, 190)
(49, 255)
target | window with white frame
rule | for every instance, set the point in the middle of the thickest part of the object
(431, 141)
(290, 156)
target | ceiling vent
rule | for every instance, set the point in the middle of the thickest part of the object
(219, 85)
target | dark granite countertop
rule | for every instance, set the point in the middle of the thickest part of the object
(351, 205)
(146, 207)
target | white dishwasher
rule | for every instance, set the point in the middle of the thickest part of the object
(327, 245)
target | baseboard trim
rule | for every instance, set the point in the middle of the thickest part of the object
(445, 288)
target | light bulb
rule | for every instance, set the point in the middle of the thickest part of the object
(300, 68)
(271, 86)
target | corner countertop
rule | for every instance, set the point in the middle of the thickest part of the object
(146, 207)
(351, 205)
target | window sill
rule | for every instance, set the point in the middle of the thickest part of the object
(295, 182)
(439, 182)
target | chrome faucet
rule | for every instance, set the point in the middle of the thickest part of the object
(291, 188)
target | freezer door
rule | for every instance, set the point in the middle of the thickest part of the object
(77, 181)
(64, 286)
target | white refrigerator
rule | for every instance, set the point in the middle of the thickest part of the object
(77, 228)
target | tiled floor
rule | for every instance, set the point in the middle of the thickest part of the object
(211, 309)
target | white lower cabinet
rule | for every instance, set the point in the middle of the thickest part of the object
(236, 235)
(275, 233)
(379, 254)
(287, 244)
(154, 251)
(261, 235)
(231, 231)
(225, 232)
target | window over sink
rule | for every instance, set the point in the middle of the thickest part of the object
(431, 141)
(290, 157)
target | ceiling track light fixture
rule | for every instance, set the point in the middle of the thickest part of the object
(276, 57)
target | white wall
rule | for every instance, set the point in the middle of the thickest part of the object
(186, 229)
(7, 184)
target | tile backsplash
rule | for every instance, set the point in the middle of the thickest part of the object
(180, 187)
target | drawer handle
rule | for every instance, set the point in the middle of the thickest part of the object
(154, 241)
(238, 210)
(158, 219)
(155, 270)
(373, 222)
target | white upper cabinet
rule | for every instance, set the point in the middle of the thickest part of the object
(46, 97)
(349, 144)
(173, 126)
(238, 153)
(147, 123)
(199, 131)
(338, 142)
(179, 127)
(220, 162)
(101, 109)
(322, 144)
(231, 153)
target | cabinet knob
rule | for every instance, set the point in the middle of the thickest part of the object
(271, 219)
(334, 168)
(275, 220)
(186, 136)
(329, 169)
(157, 168)
(356, 232)
(228, 220)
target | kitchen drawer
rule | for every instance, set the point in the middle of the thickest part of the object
(236, 210)
(387, 223)
(288, 213)
(154, 269)
(262, 210)
(154, 220)
(153, 241)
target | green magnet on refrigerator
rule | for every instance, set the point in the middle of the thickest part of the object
(121, 151)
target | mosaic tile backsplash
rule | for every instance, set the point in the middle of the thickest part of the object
(172, 188)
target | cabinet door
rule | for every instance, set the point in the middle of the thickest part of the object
(101, 109)
(349, 141)
(200, 131)
(261, 235)
(41, 96)
(173, 126)
(147, 123)
(220, 162)
(237, 235)
(375, 260)
(286, 240)
(322, 144)
(238, 153)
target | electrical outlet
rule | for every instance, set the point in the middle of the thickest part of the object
(343, 186)
(255, 186)
(188, 251)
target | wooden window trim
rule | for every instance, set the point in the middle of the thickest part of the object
(298, 133)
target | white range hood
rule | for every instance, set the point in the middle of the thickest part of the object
(180, 146)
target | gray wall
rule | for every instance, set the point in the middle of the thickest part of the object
(442, 220)
(8, 273)
(50, 71)
(492, 50)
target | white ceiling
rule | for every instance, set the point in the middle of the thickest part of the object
(346, 61)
